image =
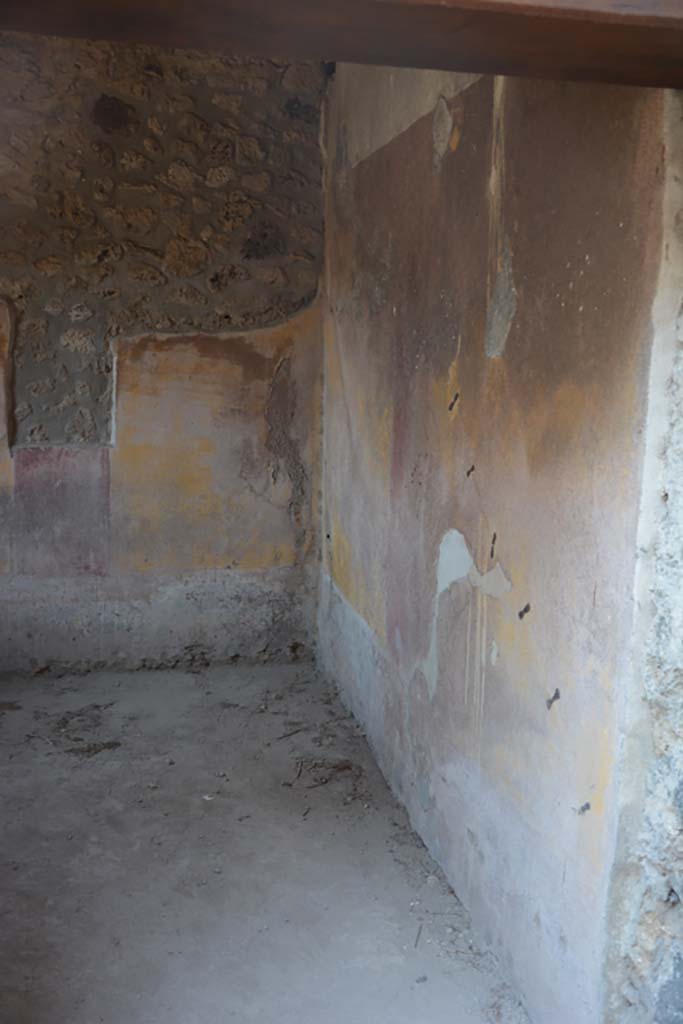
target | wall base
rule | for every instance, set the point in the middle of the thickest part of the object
(486, 851)
(83, 623)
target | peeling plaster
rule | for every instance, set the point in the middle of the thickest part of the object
(455, 565)
(502, 308)
(7, 331)
(455, 561)
(280, 412)
(501, 291)
(392, 99)
(442, 129)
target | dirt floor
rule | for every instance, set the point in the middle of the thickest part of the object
(198, 848)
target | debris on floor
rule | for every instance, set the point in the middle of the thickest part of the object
(223, 848)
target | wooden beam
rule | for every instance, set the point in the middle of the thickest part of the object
(629, 41)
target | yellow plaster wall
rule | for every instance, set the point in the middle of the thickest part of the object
(529, 448)
(194, 485)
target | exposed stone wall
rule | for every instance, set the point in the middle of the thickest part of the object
(645, 960)
(493, 252)
(146, 190)
(160, 355)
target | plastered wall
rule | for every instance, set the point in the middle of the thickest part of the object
(161, 216)
(493, 256)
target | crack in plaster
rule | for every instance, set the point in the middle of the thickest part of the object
(280, 414)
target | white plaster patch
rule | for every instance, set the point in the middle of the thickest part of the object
(384, 102)
(455, 561)
(456, 564)
(502, 307)
(442, 128)
(493, 583)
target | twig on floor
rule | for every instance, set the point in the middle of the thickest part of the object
(36, 736)
(300, 768)
(292, 732)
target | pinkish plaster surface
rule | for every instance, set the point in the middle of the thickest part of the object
(61, 511)
(491, 272)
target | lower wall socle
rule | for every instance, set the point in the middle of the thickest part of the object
(132, 622)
